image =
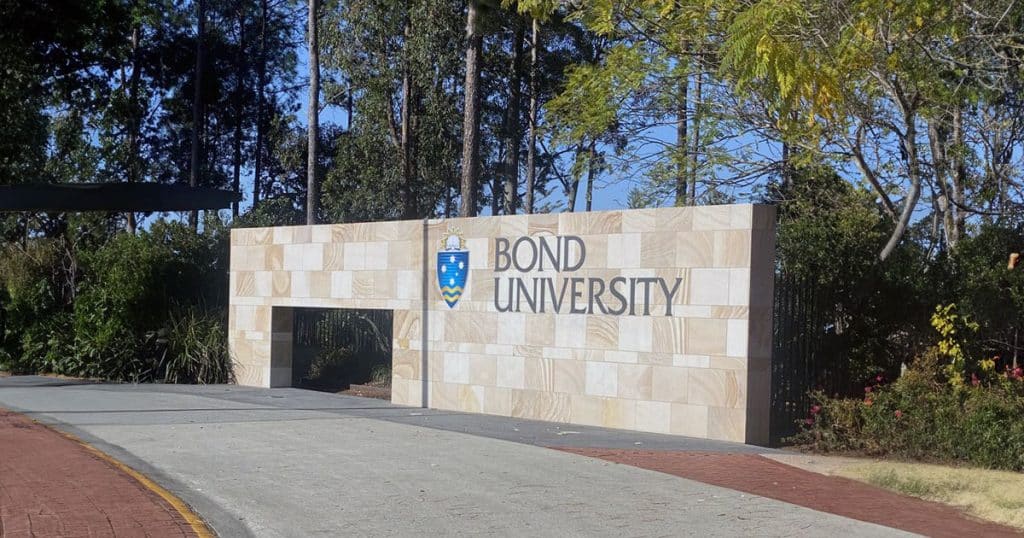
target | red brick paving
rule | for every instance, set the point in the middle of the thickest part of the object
(768, 478)
(52, 486)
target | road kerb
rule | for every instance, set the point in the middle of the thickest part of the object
(194, 521)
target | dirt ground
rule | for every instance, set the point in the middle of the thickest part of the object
(380, 391)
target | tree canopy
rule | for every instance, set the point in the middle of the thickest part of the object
(889, 133)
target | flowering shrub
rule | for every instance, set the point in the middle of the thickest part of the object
(945, 407)
(917, 417)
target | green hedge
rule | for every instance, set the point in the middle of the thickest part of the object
(923, 416)
(145, 307)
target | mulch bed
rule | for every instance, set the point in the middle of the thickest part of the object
(370, 390)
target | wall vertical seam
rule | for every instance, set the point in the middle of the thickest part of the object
(424, 318)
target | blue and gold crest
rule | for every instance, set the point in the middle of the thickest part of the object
(452, 266)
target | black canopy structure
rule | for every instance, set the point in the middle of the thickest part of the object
(113, 197)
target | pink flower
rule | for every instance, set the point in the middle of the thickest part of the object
(879, 378)
(899, 414)
(868, 389)
(815, 409)
(808, 421)
(1018, 372)
(974, 380)
(868, 402)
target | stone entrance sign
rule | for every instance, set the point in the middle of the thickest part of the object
(657, 320)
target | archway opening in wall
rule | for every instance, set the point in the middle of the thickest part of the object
(343, 351)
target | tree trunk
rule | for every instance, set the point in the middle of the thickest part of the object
(261, 82)
(197, 110)
(591, 173)
(531, 150)
(698, 96)
(497, 190)
(946, 139)
(909, 144)
(785, 175)
(471, 113)
(682, 138)
(513, 137)
(349, 107)
(407, 135)
(134, 121)
(959, 175)
(938, 139)
(857, 149)
(573, 187)
(239, 110)
(313, 113)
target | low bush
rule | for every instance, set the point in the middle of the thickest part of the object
(133, 307)
(381, 374)
(977, 425)
(197, 348)
(945, 407)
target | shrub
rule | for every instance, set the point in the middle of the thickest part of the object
(948, 406)
(330, 364)
(127, 308)
(196, 348)
(992, 296)
(36, 298)
(923, 416)
(381, 374)
(122, 303)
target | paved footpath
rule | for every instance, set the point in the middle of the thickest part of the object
(286, 462)
(758, 475)
(53, 486)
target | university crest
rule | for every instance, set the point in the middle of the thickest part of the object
(452, 266)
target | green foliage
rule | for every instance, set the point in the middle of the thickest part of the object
(763, 48)
(400, 56)
(330, 364)
(649, 65)
(986, 292)
(828, 228)
(922, 416)
(277, 211)
(874, 316)
(335, 348)
(112, 311)
(197, 347)
(538, 9)
(589, 106)
(955, 330)
(381, 374)
(363, 161)
(35, 304)
(818, 59)
(958, 400)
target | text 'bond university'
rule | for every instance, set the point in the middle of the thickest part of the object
(620, 295)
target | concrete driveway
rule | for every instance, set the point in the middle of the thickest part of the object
(288, 462)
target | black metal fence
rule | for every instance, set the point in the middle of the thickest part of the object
(334, 348)
(808, 353)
